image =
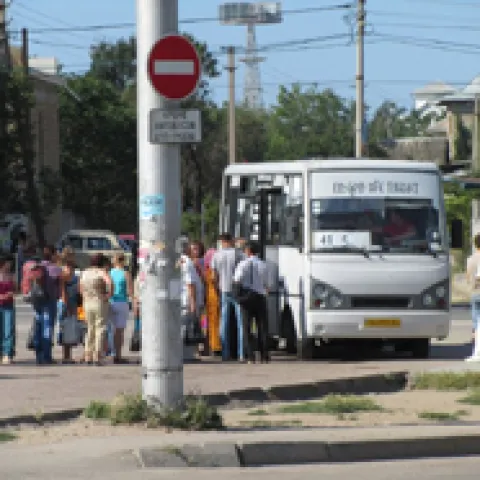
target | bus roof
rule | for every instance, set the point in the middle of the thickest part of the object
(299, 166)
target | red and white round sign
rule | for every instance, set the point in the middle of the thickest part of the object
(174, 67)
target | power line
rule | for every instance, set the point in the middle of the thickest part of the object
(186, 21)
(423, 26)
(397, 14)
(434, 43)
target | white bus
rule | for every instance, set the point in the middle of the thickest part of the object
(357, 250)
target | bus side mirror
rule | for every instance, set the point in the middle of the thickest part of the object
(456, 234)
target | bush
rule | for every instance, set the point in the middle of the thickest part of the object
(194, 414)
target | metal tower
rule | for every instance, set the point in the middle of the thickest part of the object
(251, 14)
(252, 93)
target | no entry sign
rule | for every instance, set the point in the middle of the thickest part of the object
(174, 67)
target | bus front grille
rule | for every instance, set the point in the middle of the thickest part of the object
(380, 302)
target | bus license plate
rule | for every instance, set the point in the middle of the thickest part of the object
(383, 323)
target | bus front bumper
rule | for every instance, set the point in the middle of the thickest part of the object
(368, 324)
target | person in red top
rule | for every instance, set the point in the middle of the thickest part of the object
(7, 310)
(398, 229)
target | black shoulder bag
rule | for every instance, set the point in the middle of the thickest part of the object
(245, 296)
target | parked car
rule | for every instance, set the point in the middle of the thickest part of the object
(87, 243)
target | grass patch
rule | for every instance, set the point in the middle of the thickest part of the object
(442, 416)
(473, 398)
(334, 405)
(7, 437)
(257, 413)
(97, 410)
(193, 414)
(446, 381)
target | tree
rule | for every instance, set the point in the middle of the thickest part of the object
(99, 154)
(463, 141)
(115, 62)
(391, 121)
(310, 123)
(24, 188)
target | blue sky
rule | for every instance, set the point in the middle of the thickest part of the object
(395, 61)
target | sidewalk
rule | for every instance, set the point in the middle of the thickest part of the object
(131, 454)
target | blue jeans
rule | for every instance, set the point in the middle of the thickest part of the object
(45, 316)
(227, 301)
(475, 303)
(7, 329)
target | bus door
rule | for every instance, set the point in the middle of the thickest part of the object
(266, 208)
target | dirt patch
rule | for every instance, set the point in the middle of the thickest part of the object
(81, 428)
(403, 408)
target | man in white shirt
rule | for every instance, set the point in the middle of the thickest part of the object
(251, 273)
(223, 264)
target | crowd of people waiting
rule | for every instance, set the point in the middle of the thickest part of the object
(219, 283)
(91, 308)
(88, 308)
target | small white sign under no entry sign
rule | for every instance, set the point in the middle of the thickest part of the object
(175, 126)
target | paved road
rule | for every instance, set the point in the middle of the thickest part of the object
(33, 389)
(436, 469)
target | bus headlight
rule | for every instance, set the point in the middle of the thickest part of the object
(324, 296)
(436, 297)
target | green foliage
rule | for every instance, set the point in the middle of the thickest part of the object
(458, 205)
(97, 410)
(194, 414)
(473, 398)
(7, 437)
(309, 123)
(128, 409)
(99, 154)
(335, 405)
(463, 141)
(24, 189)
(442, 416)
(192, 222)
(445, 381)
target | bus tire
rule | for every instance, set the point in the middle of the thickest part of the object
(288, 331)
(306, 349)
(420, 348)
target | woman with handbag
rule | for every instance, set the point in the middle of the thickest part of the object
(69, 332)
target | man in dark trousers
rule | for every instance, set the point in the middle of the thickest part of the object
(251, 273)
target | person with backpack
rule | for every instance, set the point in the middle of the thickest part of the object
(44, 295)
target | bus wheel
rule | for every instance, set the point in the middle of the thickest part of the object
(288, 331)
(306, 349)
(420, 348)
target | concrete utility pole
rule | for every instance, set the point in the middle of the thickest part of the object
(360, 80)
(232, 134)
(159, 217)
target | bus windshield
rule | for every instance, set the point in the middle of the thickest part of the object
(375, 224)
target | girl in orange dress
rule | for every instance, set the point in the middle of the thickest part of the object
(212, 305)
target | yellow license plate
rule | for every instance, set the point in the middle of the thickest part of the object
(383, 323)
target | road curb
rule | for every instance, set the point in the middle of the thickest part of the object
(375, 383)
(261, 454)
